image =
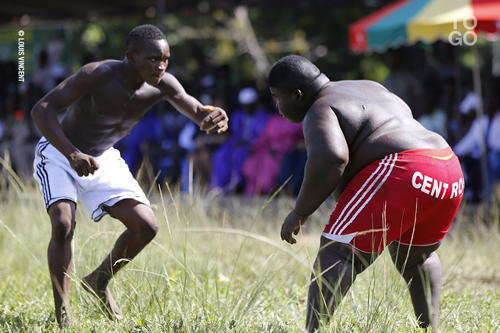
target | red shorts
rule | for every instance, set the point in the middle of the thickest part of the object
(410, 197)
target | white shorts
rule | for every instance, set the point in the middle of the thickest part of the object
(111, 183)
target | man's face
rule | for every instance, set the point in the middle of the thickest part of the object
(286, 104)
(151, 60)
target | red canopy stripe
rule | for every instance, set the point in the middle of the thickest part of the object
(487, 14)
(358, 40)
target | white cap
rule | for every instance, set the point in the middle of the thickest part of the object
(469, 103)
(247, 96)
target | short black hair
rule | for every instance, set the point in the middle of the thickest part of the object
(292, 72)
(142, 32)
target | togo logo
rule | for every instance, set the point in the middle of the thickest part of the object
(469, 37)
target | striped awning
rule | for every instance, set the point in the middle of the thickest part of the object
(410, 21)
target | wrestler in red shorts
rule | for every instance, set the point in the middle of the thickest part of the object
(396, 183)
(410, 197)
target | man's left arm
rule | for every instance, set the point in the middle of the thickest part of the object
(327, 156)
(211, 119)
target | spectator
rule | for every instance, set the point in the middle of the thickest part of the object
(199, 147)
(494, 150)
(470, 148)
(166, 157)
(18, 141)
(246, 124)
(132, 146)
(55, 49)
(293, 165)
(262, 168)
(42, 76)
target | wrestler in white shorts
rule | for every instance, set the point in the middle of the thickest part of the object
(111, 183)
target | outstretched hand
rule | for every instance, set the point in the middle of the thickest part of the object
(292, 224)
(83, 164)
(216, 121)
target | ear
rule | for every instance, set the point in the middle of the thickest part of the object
(297, 95)
(129, 55)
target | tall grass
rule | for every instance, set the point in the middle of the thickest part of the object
(218, 265)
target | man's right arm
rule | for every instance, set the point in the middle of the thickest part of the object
(327, 156)
(210, 119)
(68, 92)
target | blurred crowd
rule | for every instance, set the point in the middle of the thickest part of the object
(258, 154)
(261, 151)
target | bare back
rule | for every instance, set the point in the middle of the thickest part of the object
(375, 123)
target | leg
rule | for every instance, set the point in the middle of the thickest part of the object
(141, 229)
(421, 270)
(335, 270)
(62, 217)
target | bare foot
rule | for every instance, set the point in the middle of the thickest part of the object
(63, 318)
(108, 303)
(65, 323)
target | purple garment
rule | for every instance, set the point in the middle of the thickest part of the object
(228, 159)
(263, 166)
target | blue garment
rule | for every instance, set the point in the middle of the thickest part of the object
(130, 145)
(228, 159)
(494, 169)
(493, 141)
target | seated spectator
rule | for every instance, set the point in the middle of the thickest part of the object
(262, 168)
(199, 147)
(245, 125)
(471, 147)
(166, 157)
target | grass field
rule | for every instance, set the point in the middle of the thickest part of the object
(218, 265)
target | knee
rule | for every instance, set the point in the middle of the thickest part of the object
(425, 261)
(335, 265)
(148, 230)
(62, 229)
(62, 218)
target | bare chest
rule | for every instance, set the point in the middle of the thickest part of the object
(114, 102)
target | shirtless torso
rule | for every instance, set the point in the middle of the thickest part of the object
(374, 123)
(107, 112)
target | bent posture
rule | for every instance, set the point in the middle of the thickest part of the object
(396, 184)
(75, 160)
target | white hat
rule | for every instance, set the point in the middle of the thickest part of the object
(469, 103)
(247, 96)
